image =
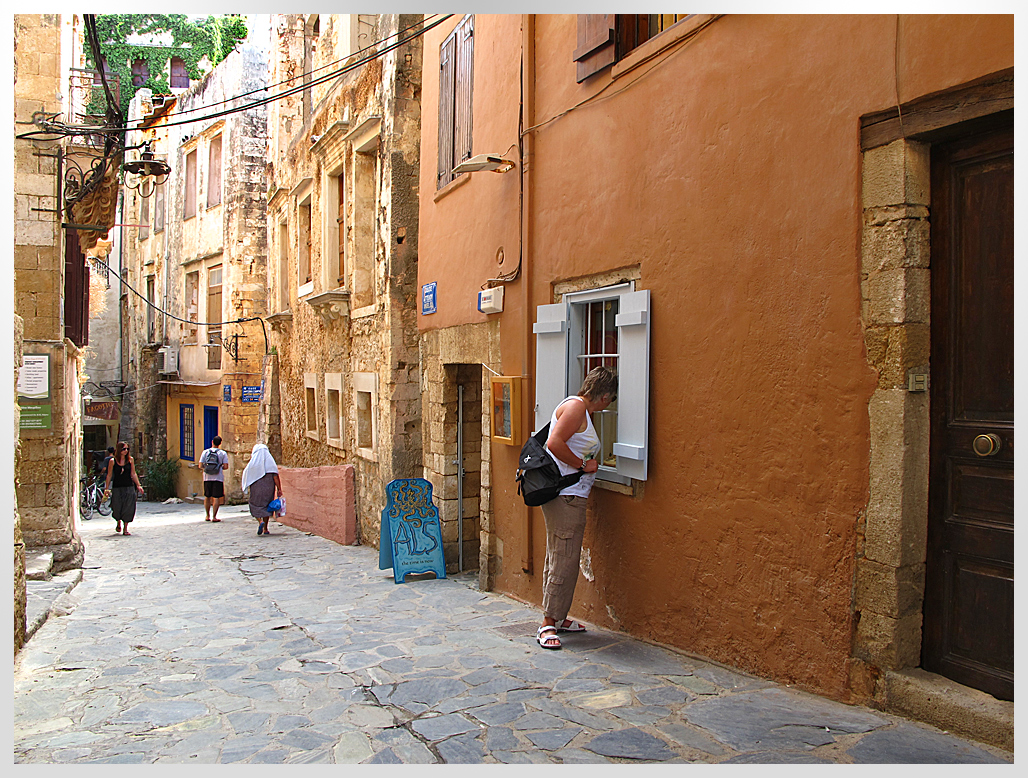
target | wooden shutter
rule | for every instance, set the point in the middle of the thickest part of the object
(76, 291)
(551, 358)
(214, 172)
(158, 208)
(633, 323)
(462, 103)
(595, 44)
(446, 72)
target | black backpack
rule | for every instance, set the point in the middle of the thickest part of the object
(211, 462)
(539, 479)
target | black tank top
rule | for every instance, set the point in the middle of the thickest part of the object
(122, 475)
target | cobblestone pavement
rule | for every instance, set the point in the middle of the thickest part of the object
(192, 642)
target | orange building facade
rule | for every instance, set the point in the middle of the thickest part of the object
(739, 214)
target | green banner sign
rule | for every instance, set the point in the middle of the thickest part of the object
(35, 417)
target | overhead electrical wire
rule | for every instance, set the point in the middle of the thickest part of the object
(65, 129)
(301, 75)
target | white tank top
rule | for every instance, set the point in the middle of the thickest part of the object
(584, 445)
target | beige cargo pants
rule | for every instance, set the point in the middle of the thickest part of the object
(565, 526)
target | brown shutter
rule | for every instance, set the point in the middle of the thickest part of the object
(595, 44)
(465, 67)
(76, 291)
(446, 70)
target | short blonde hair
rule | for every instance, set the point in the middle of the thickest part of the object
(598, 382)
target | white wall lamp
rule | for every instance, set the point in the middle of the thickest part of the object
(492, 162)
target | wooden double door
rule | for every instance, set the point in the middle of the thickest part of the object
(969, 588)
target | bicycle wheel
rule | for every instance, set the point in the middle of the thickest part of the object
(85, 504)
(103, 506)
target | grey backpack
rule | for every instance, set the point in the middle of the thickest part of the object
(211, 462)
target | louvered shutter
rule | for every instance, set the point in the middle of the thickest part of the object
(465, 66)
(633, 323)
(446, 71)
(595, 44)
(551, 357)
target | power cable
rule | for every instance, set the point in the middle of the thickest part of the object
(294, 78)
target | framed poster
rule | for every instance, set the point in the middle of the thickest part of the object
(505, 412)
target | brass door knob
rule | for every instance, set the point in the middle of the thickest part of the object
(987, 445)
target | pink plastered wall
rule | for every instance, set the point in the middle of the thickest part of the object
(320, 500)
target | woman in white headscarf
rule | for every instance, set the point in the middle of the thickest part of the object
(260, 479)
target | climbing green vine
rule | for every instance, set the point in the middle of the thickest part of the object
(213, 38)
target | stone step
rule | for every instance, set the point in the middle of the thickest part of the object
(39, 565)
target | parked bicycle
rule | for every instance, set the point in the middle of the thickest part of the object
(93, 499)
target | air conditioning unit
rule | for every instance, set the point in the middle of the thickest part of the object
(167, 361)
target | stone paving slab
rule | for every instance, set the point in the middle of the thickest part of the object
(197, 643)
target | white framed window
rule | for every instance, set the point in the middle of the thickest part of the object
(333, 232)
(310, 401)
(605, 326)
(334, 426)
(365, 400)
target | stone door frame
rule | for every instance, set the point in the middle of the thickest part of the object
(889, 581)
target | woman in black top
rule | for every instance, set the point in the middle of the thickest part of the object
(121, 475)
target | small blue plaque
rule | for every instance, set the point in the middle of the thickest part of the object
(251, 394)
(411, 538)
(226, 393)
(428, 298)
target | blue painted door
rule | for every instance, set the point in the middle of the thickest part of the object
(210, 424)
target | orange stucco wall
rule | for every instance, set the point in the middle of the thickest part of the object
(728, 171)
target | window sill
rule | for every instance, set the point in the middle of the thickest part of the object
(673, 35)
(462, 179)
(612, 486)
(304, 290)
(313, 435)
(367, 453)
(212, 207)
(367, 310)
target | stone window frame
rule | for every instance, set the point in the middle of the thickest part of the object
(310, 405)
(365, 384)
(334, 409)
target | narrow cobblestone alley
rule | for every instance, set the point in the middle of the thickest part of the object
(191, 642)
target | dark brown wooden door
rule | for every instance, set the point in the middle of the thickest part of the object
(969, 587)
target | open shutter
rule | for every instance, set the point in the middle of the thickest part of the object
(446, 72)
(551, 355)
(633, 323)
(595, 44)
(464, 81)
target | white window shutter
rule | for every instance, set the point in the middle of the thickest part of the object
(633, 323)
(551, 356)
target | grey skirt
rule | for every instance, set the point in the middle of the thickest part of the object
(123, 503)
(262, 491)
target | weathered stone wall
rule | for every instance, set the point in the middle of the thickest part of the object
(462, 355)
(48, 467)
(896, 292)
(19, 543)
(364, 330)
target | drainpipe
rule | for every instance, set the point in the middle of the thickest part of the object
(525, 152)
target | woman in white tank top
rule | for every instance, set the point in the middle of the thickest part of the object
(574, 445)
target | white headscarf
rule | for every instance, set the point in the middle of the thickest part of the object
(261, 463)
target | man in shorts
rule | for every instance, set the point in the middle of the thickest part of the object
(213, 482)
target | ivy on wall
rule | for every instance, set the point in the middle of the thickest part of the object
(213, 38)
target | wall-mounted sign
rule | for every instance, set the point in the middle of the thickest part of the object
(506, 409)
(35, 417)
(226, 393)
(250, 394)
(428, 298)
(34, 392)
(34, 378)
(411, 539)
(108, 411)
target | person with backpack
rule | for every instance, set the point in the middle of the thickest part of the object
(573, 444)
(214, 463)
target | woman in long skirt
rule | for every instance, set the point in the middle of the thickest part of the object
(260, 479)
(122, 486)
